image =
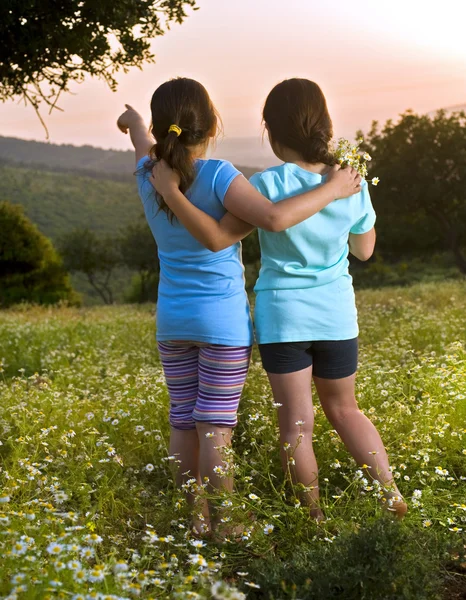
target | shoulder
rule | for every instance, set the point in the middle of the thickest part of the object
(143, 167)
(268, 180)
(216, 170)
(217, 175)
(216, 165)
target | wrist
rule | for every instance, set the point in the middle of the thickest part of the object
(170, 192)
(332, 190)
(136, 120)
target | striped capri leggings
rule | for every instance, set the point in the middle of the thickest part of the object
(204, 382)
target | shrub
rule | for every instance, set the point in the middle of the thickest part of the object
(30, 268)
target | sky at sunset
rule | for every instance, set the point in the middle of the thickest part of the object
(372, 59)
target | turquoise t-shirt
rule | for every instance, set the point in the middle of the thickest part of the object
(201, 293)
(304, 291)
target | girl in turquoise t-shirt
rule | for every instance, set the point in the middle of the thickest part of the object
(305, 313)
(204, 329)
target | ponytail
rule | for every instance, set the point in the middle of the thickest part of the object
(183, 117)
(297, 117)
(178, 157)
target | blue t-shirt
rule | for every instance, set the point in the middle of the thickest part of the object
(202, 296)
(304, 291)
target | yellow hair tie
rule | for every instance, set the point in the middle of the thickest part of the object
(176, 129)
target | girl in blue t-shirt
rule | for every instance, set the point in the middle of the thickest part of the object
(204, 329)
(305, 313)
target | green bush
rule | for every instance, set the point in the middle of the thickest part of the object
(30, 268)
(381, 561)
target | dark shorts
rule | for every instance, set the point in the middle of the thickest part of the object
(329, 359)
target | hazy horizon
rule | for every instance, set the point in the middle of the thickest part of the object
(373, 62)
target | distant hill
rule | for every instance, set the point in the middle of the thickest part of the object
(63, 187)
(87, 160)
(59, 202)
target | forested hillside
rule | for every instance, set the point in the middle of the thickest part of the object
(64, 187)
(95, 162)
(65, 156)
(60, 202)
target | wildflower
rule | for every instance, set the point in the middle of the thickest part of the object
(219, 470)
(74, 565)
(417, 494)
(97, 574)
(441, 472)
(93, 539)
(149, 467)
(367, 156)
(87, 552)
(197, 559)
(426, 523)
(210, 434)
(19, 548)
(252, 585)
(60, 497)
(54, 548)
(197, 543)
(4, 499)
(253, 497)
(300, 423)
(375, 181)
(268, 529)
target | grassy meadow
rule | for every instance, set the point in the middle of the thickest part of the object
(88, 508)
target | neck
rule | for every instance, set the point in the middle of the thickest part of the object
(198, 152)
(291, 156)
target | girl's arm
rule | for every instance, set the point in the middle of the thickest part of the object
(142, 140)
(249, 207)
(362, 245)
(246, 203)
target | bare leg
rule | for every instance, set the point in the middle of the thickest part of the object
(293, 392)
(212, 439)
(358, 433)
(184, 445)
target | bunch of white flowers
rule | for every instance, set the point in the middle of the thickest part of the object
(348, 154)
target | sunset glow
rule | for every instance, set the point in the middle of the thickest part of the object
(373, 61)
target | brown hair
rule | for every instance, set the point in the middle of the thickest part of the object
(185, 103)
(297, 116)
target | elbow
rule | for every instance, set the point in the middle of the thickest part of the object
(216, 245)
(273, 222)
(365, 254)
(365, 257)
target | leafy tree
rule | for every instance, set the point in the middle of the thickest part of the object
(97, 257)
(139, 253)
(30, 268)
(47, 44)
(421, 199)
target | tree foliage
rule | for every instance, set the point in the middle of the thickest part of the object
(138, 252)
(47, 44)
(95, 256)
(30, 268)
(99, 257)
(421, 199)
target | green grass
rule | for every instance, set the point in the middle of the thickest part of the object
(83, 411)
